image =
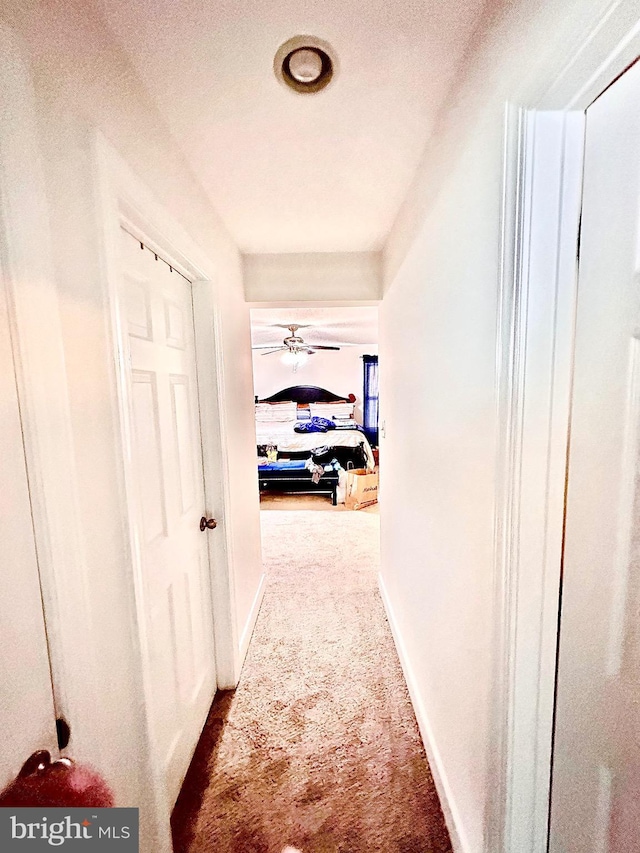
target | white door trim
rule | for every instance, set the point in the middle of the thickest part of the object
(535, 352)
(540, 228)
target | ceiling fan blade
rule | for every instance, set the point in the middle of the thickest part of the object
(313, 346)
(266, 346)
(271, 351)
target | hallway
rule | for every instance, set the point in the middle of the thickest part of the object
(318, 748)
(427, 163)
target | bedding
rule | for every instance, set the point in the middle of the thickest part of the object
(278, 415)
(283, 436)
(283, 465)
(315, 424)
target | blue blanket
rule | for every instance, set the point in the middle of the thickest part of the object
(315, 425)
(283, 465)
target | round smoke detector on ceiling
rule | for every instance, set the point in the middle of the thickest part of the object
(305, 64)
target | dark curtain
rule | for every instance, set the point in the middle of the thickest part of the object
(370, 398)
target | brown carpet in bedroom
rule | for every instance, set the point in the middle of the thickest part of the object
(318, 748)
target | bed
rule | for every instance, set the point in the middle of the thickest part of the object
(277, 418)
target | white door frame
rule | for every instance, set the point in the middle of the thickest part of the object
(123, 199)
(535, 351)
(542, 196)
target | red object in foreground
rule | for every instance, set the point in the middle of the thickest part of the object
(63, 783)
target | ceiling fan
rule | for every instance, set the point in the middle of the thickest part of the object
(293, 344)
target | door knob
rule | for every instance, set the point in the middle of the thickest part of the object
(207, 523)
(58, 784)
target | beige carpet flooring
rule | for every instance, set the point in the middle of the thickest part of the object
(317, 750)
(272, 500)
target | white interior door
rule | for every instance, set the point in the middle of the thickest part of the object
(157, 321)
(596, 767)
(27, 715)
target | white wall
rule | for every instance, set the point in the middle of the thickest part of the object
(340, 372)
(437, 347)
(83, 83)
(438, 407)
(314, 276)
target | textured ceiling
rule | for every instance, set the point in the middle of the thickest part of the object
(340, 326)
(290, 172)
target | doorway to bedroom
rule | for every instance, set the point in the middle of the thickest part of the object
(315, 374)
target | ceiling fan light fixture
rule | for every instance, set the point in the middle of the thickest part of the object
(294, 358)
(305, 64)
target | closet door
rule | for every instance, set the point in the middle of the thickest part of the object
(157, 325)
(27, 716)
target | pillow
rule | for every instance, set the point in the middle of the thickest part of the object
(331, 410)
(273, 407)
(268, 412)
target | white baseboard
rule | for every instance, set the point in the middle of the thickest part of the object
(459, 840)
(250, 624)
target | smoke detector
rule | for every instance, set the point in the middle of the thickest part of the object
(305, 64)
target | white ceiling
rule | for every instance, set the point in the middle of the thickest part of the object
(290, 172)
(333, 326)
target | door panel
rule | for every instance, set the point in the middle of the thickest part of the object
(596, 768)
(181, 407)
(169, 492)
(27, 716)
(149, 475)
